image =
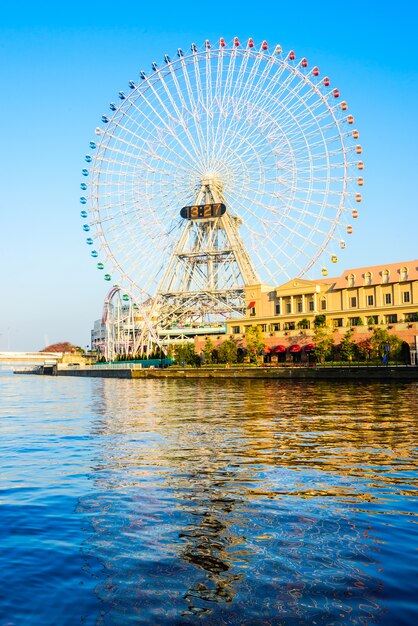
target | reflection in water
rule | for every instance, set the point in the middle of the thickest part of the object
(251, 502)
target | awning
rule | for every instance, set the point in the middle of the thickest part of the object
(279, 349)
(267, 350)
(310, 347)
(252, 304)
(295, 348)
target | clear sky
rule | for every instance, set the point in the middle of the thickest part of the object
(60, 66)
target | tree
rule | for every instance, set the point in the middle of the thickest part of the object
(63, 346)
(303, 323)
(227, 352)
(324, 342)
(320, 320)
(208, 350)
(170, 351)
(185, 354)
(364, 348)
(381, 340)
(347, 346)
(255, 342)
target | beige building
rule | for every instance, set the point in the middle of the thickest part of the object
(385, 295)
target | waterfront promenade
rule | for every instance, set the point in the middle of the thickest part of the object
(337, 373)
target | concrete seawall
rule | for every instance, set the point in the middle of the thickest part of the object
(289, 373)
(360, 374)
(96, 373)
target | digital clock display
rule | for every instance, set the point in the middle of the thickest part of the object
(202, 211)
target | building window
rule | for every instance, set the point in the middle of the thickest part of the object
(252, 311)
(263, 328)
(300, 308)
(370, 300)
(288, 307)
(404, 273)
(351, 279)
(236, 330)
(388, 298)
(274, 327)
(289, 326)
(311, 305)
(368, 278)
(406, 297)
(391, 319)
(354, 321)
(353, 302)
(323, 304)
(385, 276)
(338, 322)
(277, 309)
(411, 317)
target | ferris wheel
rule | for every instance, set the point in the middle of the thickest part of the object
(227, 165)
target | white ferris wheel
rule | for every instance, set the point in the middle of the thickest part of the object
(224, 166)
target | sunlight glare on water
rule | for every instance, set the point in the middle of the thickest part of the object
(211, 502)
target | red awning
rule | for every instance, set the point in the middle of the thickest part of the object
(279, 349)
(295, 348)
(310, 347)
(252, 304)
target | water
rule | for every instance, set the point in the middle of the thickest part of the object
(207, 502)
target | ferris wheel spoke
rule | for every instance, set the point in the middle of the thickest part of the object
(165, 126)
(198, 145)
(146, 150)
(193, 104)
(179, 118)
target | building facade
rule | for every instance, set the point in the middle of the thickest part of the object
(361, 298)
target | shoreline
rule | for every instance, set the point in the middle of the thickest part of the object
(405, 373)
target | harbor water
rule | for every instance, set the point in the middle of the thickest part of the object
(250, 502)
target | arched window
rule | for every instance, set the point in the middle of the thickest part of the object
(323, 304)
(385, 276)
(351, 279)
(368, 278)
(404, 273)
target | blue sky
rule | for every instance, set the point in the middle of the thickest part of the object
(60, 66)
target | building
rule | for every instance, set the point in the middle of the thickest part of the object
(361, 298)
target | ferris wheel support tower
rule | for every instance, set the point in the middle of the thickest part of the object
(208, 270)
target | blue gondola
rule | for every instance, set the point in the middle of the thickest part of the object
(112, 106)
(85, 172)
(83, 200)
(92, 145)
(167, 58)
(86, 227)
(105, 119)
(142, 75)
(83, 214)
(132, 84)
(122, 95)
(94, 253)
(83, 186)
(193, 47)
(154, 66)
(88, 158)
(89, 241)
(180, 53)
